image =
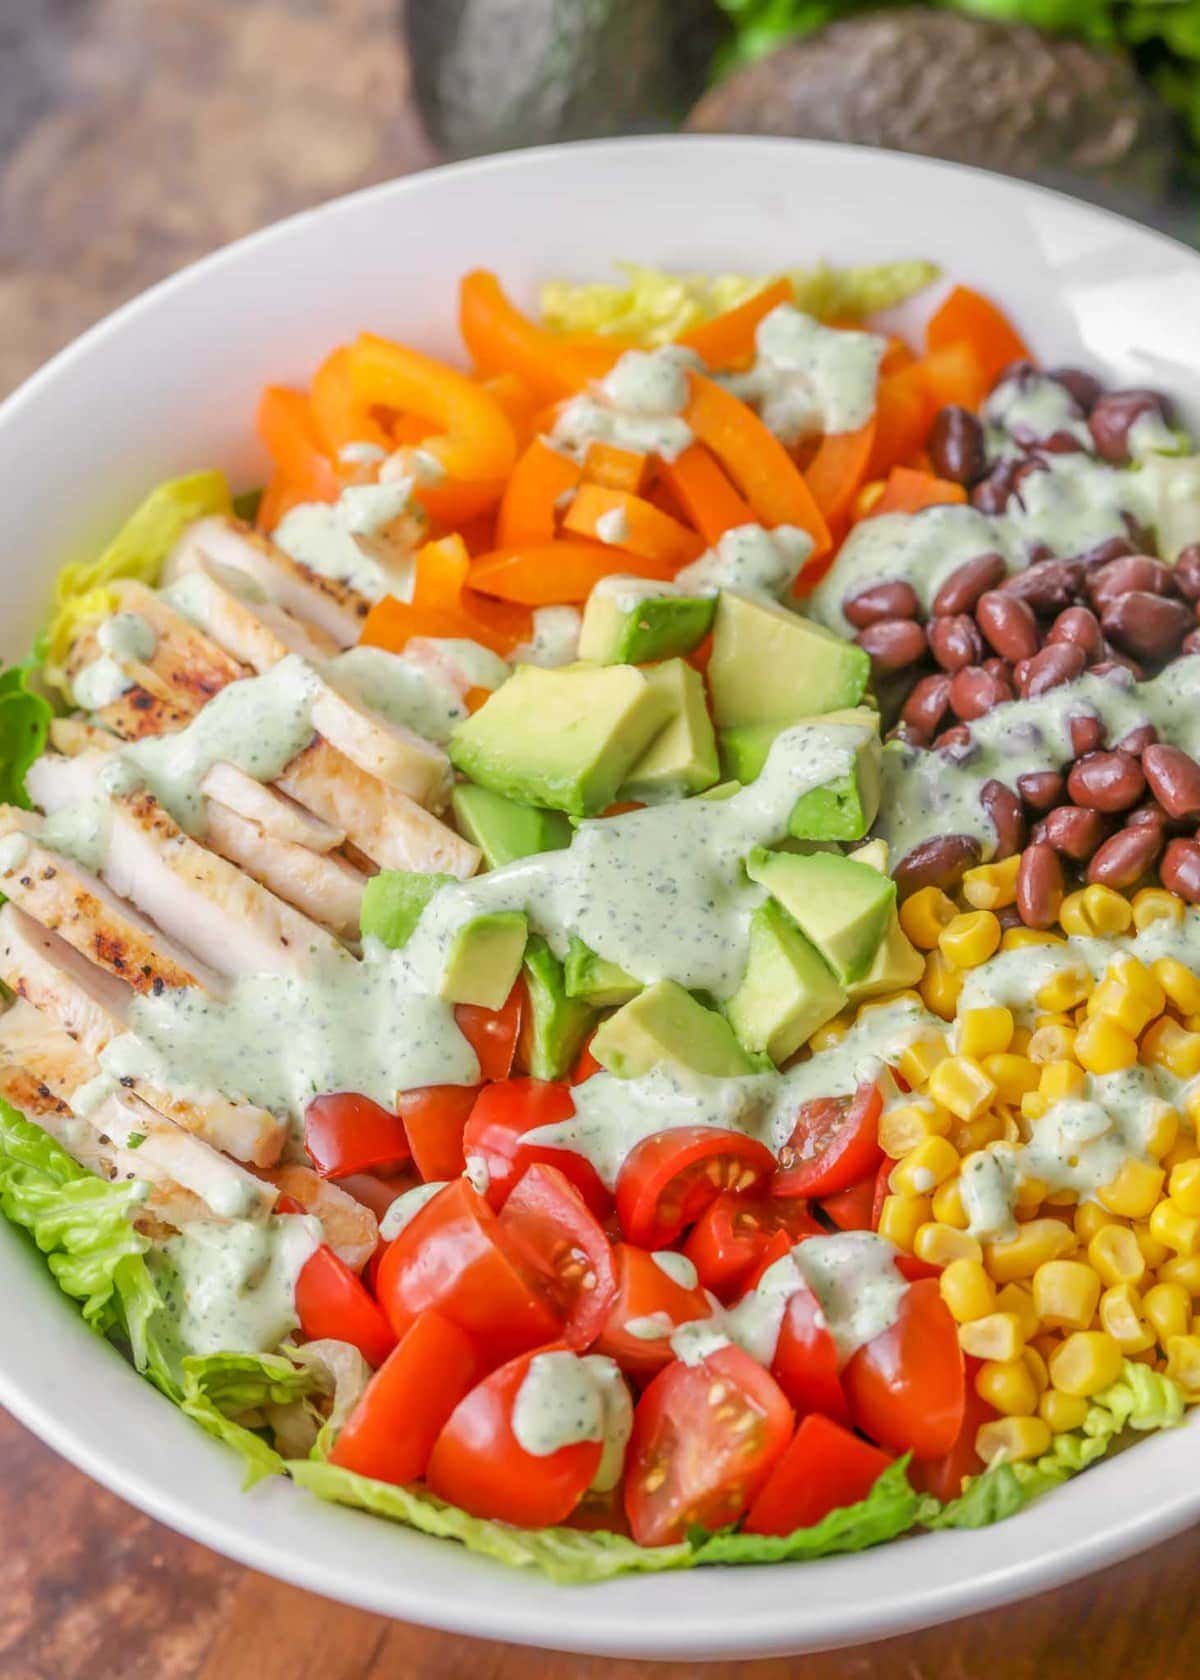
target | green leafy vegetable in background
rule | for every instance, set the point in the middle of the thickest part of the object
(24, 719)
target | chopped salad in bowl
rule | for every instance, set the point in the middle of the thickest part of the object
(609, 968)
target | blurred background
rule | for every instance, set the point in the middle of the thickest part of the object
(137, 134)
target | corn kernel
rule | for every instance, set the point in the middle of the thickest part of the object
(1030, 1193)
(1087, 1362)
(924, 915)
(968, 1136)
(1017, 1298)
(1060, 1080)
(1020, 1041)
(1022, 939)
(1121, 1317)
(1191, 1102)
(962, 1086)
(948, 1206)
(1181, 986)
(901, 1217)
(1129, 995)
(833, 1032)
(1006, 1385)
(1036, 1365)
(1065, 1293)
(1168, 1308)
(1155, 904)
(1052, 1043)
(1183, 1269)
(938, 1245)
(971, 938)
(1045, 1343)
(1167, 1045)
(984, 1032)
(1184, 1149)
(1134, 1191)
(1154, 1252)
(917, 1060)
(1183, 1363)
(1066, 989)
(940, 985)
(1096, 912)
(1103, 1046)
(1012, 1075)
(1011, 1440)
(1183, 1186)
(1162, 1132)
(1034, 1105)
(995, 1336)
(931, 1163)
(1090, 1217)
(902, 1128)
(866, 498)
(1036, 1242)
(967, 1290)
(991, 886)
(1062, 1411)
(1180, 1231)
(1115, 1254)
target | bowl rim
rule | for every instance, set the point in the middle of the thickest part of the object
(696, 1625)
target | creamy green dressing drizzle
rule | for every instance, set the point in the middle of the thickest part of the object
(127, 635)
(555, 639)
(565, 1400)
(325, 536)
(637, 406)
(420, 697)
(1034, 406)
(232, 1286)
(749, 561)
(99, 683)
(808, 378)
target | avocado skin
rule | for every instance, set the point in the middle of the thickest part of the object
(976, 90)
(493, 74)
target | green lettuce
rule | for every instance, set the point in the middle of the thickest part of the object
(890, 1509)
(227, 1395)
(24, 720)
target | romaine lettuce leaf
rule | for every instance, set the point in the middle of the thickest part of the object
(227, 1394)
(24, 719)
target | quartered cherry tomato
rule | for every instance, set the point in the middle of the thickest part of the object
(906, 1387)
(434, 1118)
(705, 1439)
(348, 1133)
(332, 1303)
(390, 1433)
(825, 1467)
(587, 1064)
(943, 1477)
(733, 1233)
(546, 1225)
(668, 1179)
(853, 1209)
(652, 1298)
(492, 1033)
(834, 1143)
(806, 1359)
(495, 1132)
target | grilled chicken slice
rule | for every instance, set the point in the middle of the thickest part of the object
(397, 756)
(187, 660)
(236, 613)
(29, 1040)
(92, 1008)
(63, 896)
(273, 812)
(351, 1229)
(326, 888)
(74, 735)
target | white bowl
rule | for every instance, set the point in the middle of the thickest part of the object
(169, 383)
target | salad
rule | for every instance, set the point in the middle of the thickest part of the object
(609, 968)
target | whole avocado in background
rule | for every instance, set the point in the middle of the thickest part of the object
(493, 74)
(943, 84)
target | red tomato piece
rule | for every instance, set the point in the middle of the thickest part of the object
(434, 1119)
(806, 1359)
(331, 1301)
(883, 1190)
(644, 1291)
(906, 1387)
(348, 1133)
(495, 1131)
(733, 1233)
(668, 1179)
(825, 1468)
(546, 1223)
(390, 1433)
(453, 1257)
(943, 1477)
(705, 1439)
(853, 1209)
(587, 1064)
(835, 1143)
(478, 1463)
(492, 1033)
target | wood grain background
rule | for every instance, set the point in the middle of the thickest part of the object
(134, 136)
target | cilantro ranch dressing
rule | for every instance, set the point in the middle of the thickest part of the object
(677, 1267)
(98, 684)
(555, 639)
(808, 378)
(638, 406)
(417, 696)
(231, 1287)
(127, 635)
(613, 526)
(336, 538)
(747, 560)
(407, 1206)
(1030, 407)
(559, 1404)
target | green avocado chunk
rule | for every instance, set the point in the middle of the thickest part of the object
(745, 748)
(598, 982)
(897, 963)
(393, 902)
(788, 989)
(503, 830)
(682, 758)
(769, 665)
(628, 621)
(485, 959)
(553, 1026)
(664, 1023)
(841, 905)
(844, 808)
(565, 738)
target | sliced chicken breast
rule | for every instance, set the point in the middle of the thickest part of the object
(323, 887)
(257, 632)
(334, 607)
(273, 812)
(396, 755)
(351, 1229)
(183, 656)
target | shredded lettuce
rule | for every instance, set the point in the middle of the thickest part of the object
(24, 720)
(654, 307)
(231, 1394)
(82, 594)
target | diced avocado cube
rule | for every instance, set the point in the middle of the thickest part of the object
(393, 902)
(503, 830)
(485, 959)
(874, 854)
(664, 1023)
(553, 1026)
(787, 991)
(723, 790)
(630, 621)
(1173, 483)
(600, 983)
(744, 749)
(566, 738)
(844, 808)
(897, 964)
(769, 665)
(682, 758)
(841, 905)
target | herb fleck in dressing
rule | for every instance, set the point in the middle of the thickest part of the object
(638, 406)
(807, 378)
(341, 539)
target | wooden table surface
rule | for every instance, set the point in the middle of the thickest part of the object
(134, 136)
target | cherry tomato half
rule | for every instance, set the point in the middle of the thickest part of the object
(478, 1464)
(492, 1033)
(587, 1064)
(495, 1132)
(650, 1298)
(348, 1133)
(806, 1359)
(332, 1302)
(834, 1143)
(853, 1209)
(434, 1118)
(668, 1179)
(733, 1233)
(546, 1225)
(943, 1477)
(705, 1439)
(906, 1387)
(824, 1468)
(390, 1433)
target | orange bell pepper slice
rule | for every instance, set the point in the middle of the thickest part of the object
(838, 468)
(441, 570)
(279, 497)
(517, 401)
(756, 461)
(338, 415)
(528, 509)
(968, 316)
(648, 532)
(285, 424)
(617, 469)
(503, 340)
(954, 375)
(547, 574)
(705, 494)
(901, 420)
(908, 491)
(896, 357)
(392, 624)
(728, 339)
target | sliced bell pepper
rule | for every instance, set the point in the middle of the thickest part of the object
(441, 570)
(517, 401)
(901, 420)
(728, 339)
(338, 415)
(503, 340)
(286, 426)
(908, 491)
(392, 624)
(954, 375)
(838, 468)
(705, 494)
(969, 317)
(546, 574)
(644, 529)
(529, 507)
(617, 469)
